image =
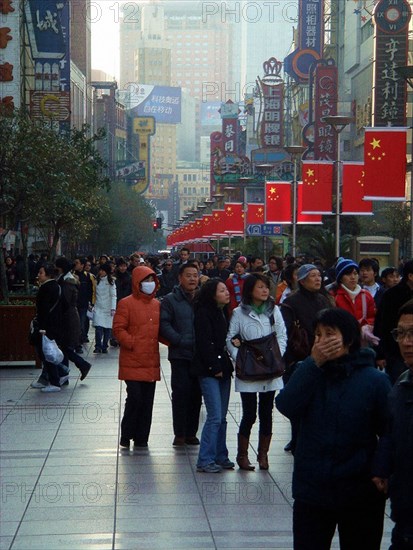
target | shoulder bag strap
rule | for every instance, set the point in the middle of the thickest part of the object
(58, 299)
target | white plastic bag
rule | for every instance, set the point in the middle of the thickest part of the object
(51, 351)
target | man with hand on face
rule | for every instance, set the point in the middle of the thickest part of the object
(339, 398)
(394, 459)
(177, 327)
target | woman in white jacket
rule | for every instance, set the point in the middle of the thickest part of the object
(105, 307)
(257, 316)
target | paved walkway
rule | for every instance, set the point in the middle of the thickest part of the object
(66, 485)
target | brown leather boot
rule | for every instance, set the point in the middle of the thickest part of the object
(263, 447)
(242, 454)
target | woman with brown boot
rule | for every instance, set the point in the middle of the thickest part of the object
(257, 316)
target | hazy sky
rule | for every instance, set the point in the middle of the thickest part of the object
(104, 22)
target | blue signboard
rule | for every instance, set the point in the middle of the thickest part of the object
(264, 229)
(210, 115)
(161, 102)
(47, 40)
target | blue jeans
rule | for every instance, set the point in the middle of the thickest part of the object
(213, 446)
(102, 336)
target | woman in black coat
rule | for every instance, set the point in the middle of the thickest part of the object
(48, 315)
(214, 369)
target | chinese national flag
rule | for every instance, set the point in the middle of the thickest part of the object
(234, 218)
(318, 187)
(278, 202)
(199, 224)
(353, 190)
(385, 164)
(218, 228)
(207, 231)
(255, 213)
(304, 219)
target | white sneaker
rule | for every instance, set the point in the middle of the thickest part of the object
(50, 389)
(64, 379)
(38, 385)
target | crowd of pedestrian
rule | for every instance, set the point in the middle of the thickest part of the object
(344, 335)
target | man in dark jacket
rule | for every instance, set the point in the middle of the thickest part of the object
(388, 352)
(84, 299)
(302, 307)
(394, 459)
(167, 279)
(339, 399)
(177, 327)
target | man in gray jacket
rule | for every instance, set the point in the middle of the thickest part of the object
(177, 327)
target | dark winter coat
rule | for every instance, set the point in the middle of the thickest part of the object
(211, 327)
(85, 289)
(167, 281)
(177, 324)
(394, 457)
(70, 316)
(123, 285)
(387, 316)
(305, 305)
(341, 409)
(47, 297)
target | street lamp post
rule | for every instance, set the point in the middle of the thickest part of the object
(406, 72)
(338, 123)
(295, 151)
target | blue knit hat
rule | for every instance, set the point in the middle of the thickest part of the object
(342, 265)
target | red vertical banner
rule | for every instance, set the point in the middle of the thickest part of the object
(305, 219)
(353, 190)
(318, 187)
(234, 218)
(278, 202)
(255, 213)
(325, 104)
(218, 222)
(207, 229)
(385, 164)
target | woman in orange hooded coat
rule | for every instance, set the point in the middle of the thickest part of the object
(136, 328)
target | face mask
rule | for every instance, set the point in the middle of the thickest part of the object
(148, 287)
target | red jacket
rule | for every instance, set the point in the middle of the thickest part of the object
(136, 328)
(343, 300)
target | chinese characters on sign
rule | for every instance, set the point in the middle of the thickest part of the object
(391, 18)
(325, 100)
(272, 119)
(9, 55)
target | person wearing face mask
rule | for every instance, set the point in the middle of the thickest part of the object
(136, 328)
(339, 399)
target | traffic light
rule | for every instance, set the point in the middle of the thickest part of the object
(159, 223)
(154, 226)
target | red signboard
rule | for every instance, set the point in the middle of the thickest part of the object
(325, 102)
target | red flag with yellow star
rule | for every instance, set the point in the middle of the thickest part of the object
(278, 202)
(207, 227)
(317, 187)
(385, 164)
(353, 191)
(255, 213)
(234, 218)
(218, 226)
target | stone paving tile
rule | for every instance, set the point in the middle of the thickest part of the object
(60, 460)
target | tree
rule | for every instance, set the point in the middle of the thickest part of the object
(128, 226)
(47, 180)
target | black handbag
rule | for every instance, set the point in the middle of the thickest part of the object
(259, 359)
